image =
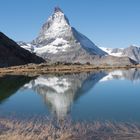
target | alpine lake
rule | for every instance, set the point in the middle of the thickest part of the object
(93, 96)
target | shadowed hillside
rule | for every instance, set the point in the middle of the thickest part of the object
(12, 54)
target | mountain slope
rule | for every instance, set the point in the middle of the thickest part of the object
(132, 52)
(12, 54)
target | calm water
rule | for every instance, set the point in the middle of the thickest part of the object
(85, 96)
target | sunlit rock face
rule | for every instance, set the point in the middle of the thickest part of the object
(60, 92)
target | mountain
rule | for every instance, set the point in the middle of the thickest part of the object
(132, 52)
(57, 36)
(58, 41)
(12, 54)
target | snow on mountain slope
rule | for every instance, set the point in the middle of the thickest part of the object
(59, 44)
(27, 46)
(114, 52)
(57, 26)
(132, 52)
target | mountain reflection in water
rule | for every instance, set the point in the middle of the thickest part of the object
(59, 92)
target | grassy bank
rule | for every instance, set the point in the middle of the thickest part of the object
(46, 130)
(61, 68)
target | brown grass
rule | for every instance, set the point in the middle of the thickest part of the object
(44, 129)
(61, 68)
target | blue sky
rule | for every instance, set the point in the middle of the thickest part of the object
(108, 23)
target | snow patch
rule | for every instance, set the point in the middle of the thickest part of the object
(119, 53)
(58, 45)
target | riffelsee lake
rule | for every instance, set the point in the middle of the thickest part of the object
(102, 95)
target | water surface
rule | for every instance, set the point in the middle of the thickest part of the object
(97, 95)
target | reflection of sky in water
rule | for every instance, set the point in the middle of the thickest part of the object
(100, 95)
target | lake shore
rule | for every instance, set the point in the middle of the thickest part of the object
(45, 68)
(34, 129)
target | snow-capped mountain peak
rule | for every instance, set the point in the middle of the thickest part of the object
(57, 9)
(58, 41)
(56, 26)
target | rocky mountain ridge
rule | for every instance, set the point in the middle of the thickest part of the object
(132, 52)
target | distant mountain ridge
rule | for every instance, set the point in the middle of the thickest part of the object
(132, 52)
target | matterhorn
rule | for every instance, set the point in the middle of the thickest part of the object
(58, 41)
